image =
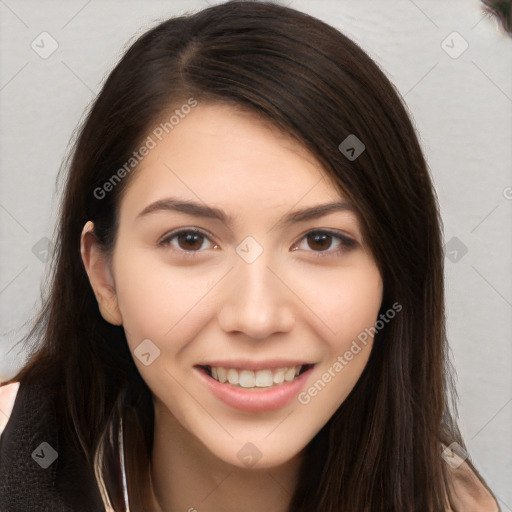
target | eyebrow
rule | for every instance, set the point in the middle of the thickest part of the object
(202, 210)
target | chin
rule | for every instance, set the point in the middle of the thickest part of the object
(257, 454)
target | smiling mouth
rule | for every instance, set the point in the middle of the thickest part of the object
(249, 379)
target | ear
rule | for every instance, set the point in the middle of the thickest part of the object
(98, 270)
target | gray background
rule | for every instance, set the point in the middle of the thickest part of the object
(461, 107)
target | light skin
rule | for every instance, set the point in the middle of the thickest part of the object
(299, 299)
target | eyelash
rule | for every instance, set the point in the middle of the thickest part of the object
(346, 243)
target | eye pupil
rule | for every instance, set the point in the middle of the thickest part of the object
(320, 238)
(190, 238)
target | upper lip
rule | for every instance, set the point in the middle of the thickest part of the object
(246, 364)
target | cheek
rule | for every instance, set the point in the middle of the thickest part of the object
(348, 303)
(345, 300)
(160, 301)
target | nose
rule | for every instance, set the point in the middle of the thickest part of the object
(257, 301)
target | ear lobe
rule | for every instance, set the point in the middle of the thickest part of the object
(100, 275)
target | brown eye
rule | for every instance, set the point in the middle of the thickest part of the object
(190, 240)
(185, 240)
(319, 241)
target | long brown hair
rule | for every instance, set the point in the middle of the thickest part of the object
(381, 449)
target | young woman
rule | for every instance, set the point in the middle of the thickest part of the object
(246, 309)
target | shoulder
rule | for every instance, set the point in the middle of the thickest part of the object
(467, 490)
(32, 438)
(7, 398)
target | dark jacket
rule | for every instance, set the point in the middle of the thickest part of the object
(67, 484)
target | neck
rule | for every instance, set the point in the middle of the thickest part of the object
(186, 476)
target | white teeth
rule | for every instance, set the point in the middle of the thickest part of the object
(251, 379)
(247, 378)
(221, 374)
(289, 375)
(279, 376)
(233, 376)
(263, 379)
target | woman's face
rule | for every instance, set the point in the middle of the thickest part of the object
(238, 285)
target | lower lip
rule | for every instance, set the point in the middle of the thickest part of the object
(256, 400)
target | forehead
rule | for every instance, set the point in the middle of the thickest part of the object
(221, 155)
